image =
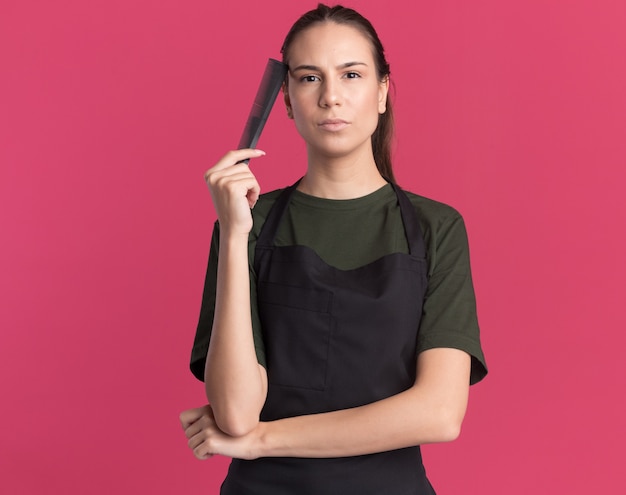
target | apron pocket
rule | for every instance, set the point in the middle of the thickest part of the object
(296, 325)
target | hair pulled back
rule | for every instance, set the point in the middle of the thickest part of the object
(383, 135)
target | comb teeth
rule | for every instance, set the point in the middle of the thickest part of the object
(271, 82)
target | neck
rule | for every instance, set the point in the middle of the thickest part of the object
(341, 178)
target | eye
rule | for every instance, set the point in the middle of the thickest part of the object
(352, 75)
(309, 78)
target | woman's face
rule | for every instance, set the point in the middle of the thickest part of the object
(333, 90)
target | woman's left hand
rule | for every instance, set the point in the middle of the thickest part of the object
(207, 440)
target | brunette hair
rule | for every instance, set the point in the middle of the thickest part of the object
(383, 135)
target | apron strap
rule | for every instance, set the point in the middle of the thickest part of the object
(411, 224)
(278, 209)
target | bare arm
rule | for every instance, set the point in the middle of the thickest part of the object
(236, 385)
(432, 410)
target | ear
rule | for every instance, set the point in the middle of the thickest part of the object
(383, 90)
(285, 90)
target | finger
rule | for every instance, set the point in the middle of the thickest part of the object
(202, 437)
(228, 171)
(237, 184)
(196, 427)
(187, 418)
(201, 446)
(232, 157)
(190, 416)
(221, 178)
(201, 453)
(253, 196)
(196, 440)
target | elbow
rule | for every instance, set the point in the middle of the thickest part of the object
(447, 427)
(236, 424)
(235, 418)
(449, 431)
(240, 429)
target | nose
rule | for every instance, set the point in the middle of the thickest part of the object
(330, 93)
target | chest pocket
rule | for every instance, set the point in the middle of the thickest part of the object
(297, 327)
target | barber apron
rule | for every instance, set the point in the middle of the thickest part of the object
(336, 339)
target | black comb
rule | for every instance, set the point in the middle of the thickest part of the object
(273, 78)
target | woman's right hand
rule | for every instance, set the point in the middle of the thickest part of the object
(234, 190)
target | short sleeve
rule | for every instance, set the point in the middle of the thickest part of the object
(449, 317)
(207, 311)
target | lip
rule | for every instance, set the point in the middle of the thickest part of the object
(333, 125)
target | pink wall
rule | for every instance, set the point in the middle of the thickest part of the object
(110, 111)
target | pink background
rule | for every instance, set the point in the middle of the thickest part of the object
(110, 111)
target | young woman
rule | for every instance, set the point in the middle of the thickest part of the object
(338, 327)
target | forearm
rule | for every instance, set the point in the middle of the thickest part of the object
(235, 383)
(385, 425)
(430, 411)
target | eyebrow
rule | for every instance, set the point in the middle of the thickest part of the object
(316, 68)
